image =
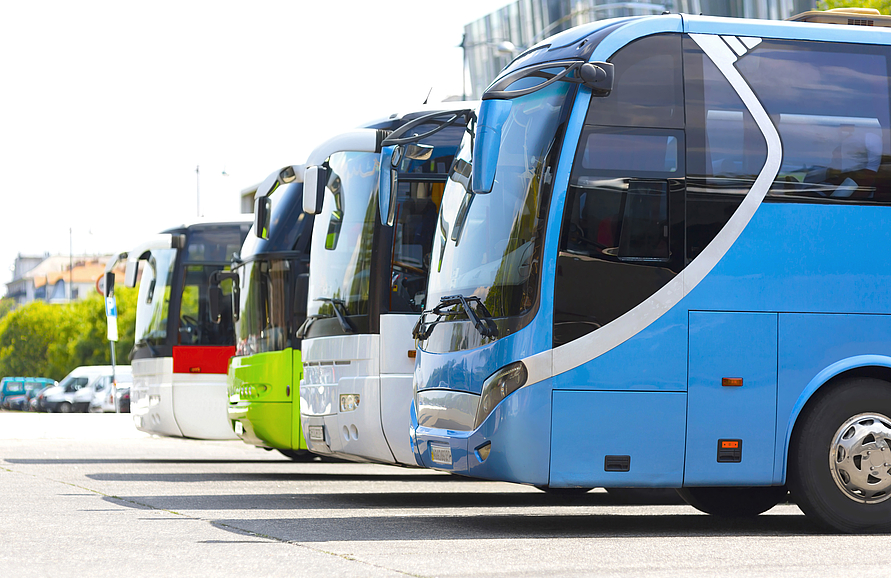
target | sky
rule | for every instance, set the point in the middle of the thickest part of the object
(107, 108)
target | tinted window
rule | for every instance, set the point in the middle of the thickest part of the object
(725, 150)
(830, 105)
(622, 236)
(648, 89)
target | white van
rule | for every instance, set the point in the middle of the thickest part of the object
(108, 391)
(76, 391)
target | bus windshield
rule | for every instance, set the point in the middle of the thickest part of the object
(154, 297)
(488, 245)
(345, 230)
(262, 323)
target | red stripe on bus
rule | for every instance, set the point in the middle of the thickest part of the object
(202, 359)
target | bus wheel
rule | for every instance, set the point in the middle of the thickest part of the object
(848, 430)
(734, 502)
(65, 407)
(297, 455)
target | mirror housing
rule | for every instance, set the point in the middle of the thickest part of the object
(387, 186)
(109, 284)
(492, 117)
(215, 294)
(314, 180)
(262, 216)
(598, 76)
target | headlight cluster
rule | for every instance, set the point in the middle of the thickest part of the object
(349, 401)
(499, 385)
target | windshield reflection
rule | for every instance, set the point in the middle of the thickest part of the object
(154, 297)
(262, 324)
(495, 254)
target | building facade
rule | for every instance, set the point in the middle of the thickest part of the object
(491, 42)
(54, 278)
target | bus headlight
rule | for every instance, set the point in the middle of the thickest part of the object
(349, 402)
(497, 386)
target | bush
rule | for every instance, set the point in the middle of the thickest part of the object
(46, 340)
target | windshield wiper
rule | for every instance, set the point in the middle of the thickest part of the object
(340, 311)
(337, 305)
(485, 325)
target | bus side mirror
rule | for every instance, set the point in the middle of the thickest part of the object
(492, 117)
(598, 76)
(215, 294)
(314, 180)
(262, 217)
(109, 284)
(131, 272)
(389, 179)
(301, 296)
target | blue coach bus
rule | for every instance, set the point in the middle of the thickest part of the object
(669, 270)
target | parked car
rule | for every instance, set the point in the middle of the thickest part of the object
(108, 390)
(123, 400)
(14, 389)
(66, 397)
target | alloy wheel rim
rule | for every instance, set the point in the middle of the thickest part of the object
(860, 458)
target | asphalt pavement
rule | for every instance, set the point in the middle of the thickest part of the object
(88, 495)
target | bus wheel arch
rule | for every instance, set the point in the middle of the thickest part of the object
(864, 366)
(849, 414)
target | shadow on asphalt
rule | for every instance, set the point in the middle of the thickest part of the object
(111, 461)
(516, 526)
(276, 477)
(353, 500)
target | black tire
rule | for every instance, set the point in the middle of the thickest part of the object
(734, 502)
(65, 407)
(844, 412)
(565, 492)
(646, 496)
(297, 455)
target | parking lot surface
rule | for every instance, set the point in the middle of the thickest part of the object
(88, 495)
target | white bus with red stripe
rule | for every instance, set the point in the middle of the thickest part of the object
(180, 358)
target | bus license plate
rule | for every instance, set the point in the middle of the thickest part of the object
(317, 433)
(441, 454)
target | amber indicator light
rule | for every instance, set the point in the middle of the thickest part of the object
(731, 381)
(412, 353)
(195, 370)
(729, 444)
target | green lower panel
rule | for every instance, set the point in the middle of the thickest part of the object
(264, 398)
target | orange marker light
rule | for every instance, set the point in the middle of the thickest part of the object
(412, 353)
(195, 370)
(732, 381)
(729, 445)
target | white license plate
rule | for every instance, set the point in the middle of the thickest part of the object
(317, 433)
(441, 454)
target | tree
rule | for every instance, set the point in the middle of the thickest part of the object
(883, 6)
(40, 339)
(6, 305)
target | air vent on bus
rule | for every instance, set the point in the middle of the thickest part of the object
(845, 16)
